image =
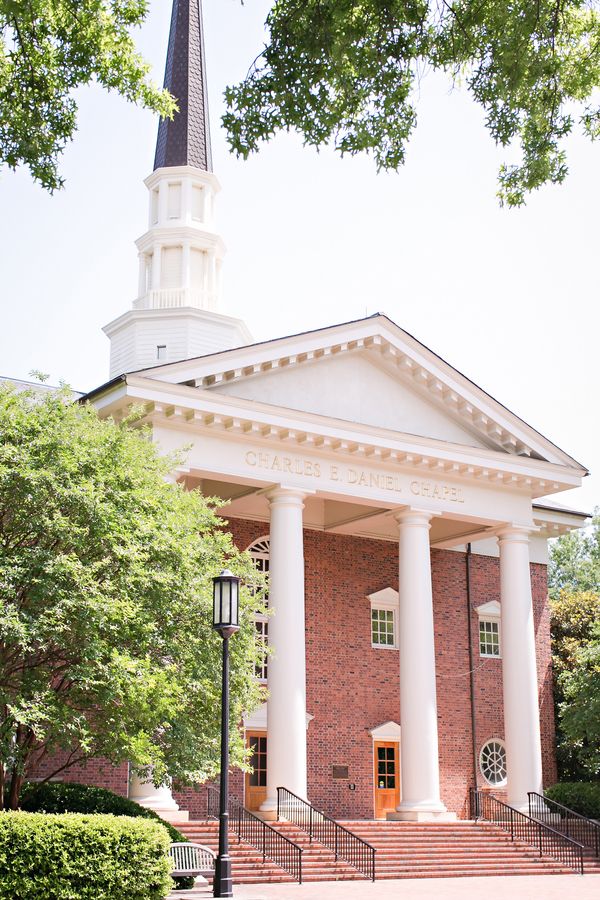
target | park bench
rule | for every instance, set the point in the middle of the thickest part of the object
(191, 860)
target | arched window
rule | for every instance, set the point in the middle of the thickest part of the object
(259, 551)
(492, 762)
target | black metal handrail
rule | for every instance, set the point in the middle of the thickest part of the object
(259, 834)
(521, 827)
(322, 828)
(565, 820)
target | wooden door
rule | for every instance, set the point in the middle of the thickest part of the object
(387, 777)
(256, 781)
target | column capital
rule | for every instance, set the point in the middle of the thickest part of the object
(286, 496)
(517, 534)
(410, 515)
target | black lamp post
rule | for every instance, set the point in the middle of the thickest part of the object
(226, 595)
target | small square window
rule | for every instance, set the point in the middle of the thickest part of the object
(489, 638)
(382, 628)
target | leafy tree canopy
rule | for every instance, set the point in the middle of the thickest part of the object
(574, 616)
(343, 72)
(106, 644)
(47, 49)
(575, 560)
(580, 711)
(574, 580)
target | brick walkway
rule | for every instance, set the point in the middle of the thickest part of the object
(532, 887)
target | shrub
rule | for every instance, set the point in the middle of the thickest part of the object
(581, 796)
(77, 857)
(63, 797)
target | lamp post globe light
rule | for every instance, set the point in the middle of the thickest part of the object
(226, 607)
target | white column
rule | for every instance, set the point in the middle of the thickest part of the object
(159, 799)
(186, 200)
(186, 270)
(419, 772)
(143, 275)
(156, 267)
(163, 200)
(286, 703)
(519, 671)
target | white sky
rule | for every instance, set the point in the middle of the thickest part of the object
(509, 297)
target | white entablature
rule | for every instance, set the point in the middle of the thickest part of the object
(409, 373)
(328, 413)
(182, 407)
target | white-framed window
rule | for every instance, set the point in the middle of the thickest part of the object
(384, 618)
(489, 629)
(383, 627)
(489, 637)
(259, 551)
(492, 762)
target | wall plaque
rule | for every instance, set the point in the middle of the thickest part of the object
(340, 771)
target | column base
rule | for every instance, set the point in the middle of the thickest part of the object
(159, 799)
(172, 815)
(267, 815)
(421, 812)
(522, 806)
(268, 810)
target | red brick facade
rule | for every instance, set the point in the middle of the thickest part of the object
(353, 688)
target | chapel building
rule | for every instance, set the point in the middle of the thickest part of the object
(395, 504)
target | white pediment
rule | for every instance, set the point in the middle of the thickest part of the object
(389, 731)
(372, 373)
(385, 599)
(489, 610)
(354, 388)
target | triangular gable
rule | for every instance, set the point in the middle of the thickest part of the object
(491, 610)
(484, 421)
(388, 731)
(387, 597)
(355, 388)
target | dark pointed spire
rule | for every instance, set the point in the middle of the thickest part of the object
(185, 140)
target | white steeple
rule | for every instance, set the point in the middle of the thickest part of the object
(175, 315)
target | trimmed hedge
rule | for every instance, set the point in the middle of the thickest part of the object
(63, 797)
(581, 796)
(77, 857)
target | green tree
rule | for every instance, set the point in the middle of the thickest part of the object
(106, 644)
(580, 709)
(47, 50)
(343, 72)
(575, 560)
(574, 582)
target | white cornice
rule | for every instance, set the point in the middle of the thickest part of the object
(196, 409)
(172, 173)
(176, 312)
(169, 234)
(553, 523)
(403, 355)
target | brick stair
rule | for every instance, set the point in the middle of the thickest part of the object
(591, 863)
(246, 862)
(318, 863)
(435, 850)
(404, 850)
